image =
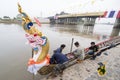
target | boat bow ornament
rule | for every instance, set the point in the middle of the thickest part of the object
(38, 43)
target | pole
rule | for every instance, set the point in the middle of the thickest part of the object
(32, 57)
(71, 44)
(116, 28)
(32, 53)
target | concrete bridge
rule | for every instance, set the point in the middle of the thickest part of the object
(87, 20)
(90, 14)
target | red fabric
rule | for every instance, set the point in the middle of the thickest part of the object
(105, 13)
(118, 15)
(37, 21)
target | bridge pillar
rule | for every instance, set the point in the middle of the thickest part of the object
(116, 28)
(71, 20)
(67, 21)
(89, 21)
(63, 20)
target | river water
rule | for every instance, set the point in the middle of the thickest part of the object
(14, 53)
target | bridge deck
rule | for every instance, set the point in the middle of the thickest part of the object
(96, 14)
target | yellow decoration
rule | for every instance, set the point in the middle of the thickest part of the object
(101, 70)
(32, 31)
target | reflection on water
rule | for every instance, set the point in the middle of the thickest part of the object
(99, 30)
(74, 29)
(14, 53)
(66, 28)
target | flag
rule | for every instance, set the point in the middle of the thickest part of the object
(37, 21)
(55, 17)
(111, 14)
(105, 13)
(118, 15)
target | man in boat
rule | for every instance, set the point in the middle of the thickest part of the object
(94, 51)
(58, 57)
(60, 49)
(79, 52)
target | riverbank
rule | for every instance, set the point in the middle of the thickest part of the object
(87, 70)
(10, 22)
(17, 22)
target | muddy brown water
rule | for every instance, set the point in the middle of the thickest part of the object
(14, 53)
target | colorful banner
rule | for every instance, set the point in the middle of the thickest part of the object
(111, 14)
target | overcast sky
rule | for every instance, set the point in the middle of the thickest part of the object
(47, 8)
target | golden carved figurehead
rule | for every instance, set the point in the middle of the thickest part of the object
(27, 23)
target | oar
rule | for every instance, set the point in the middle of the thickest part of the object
(71, 44)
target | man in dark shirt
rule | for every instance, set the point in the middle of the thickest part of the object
(58, 57)
(94, 50)
(59, 50)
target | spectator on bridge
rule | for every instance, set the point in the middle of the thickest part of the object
(94, 51)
